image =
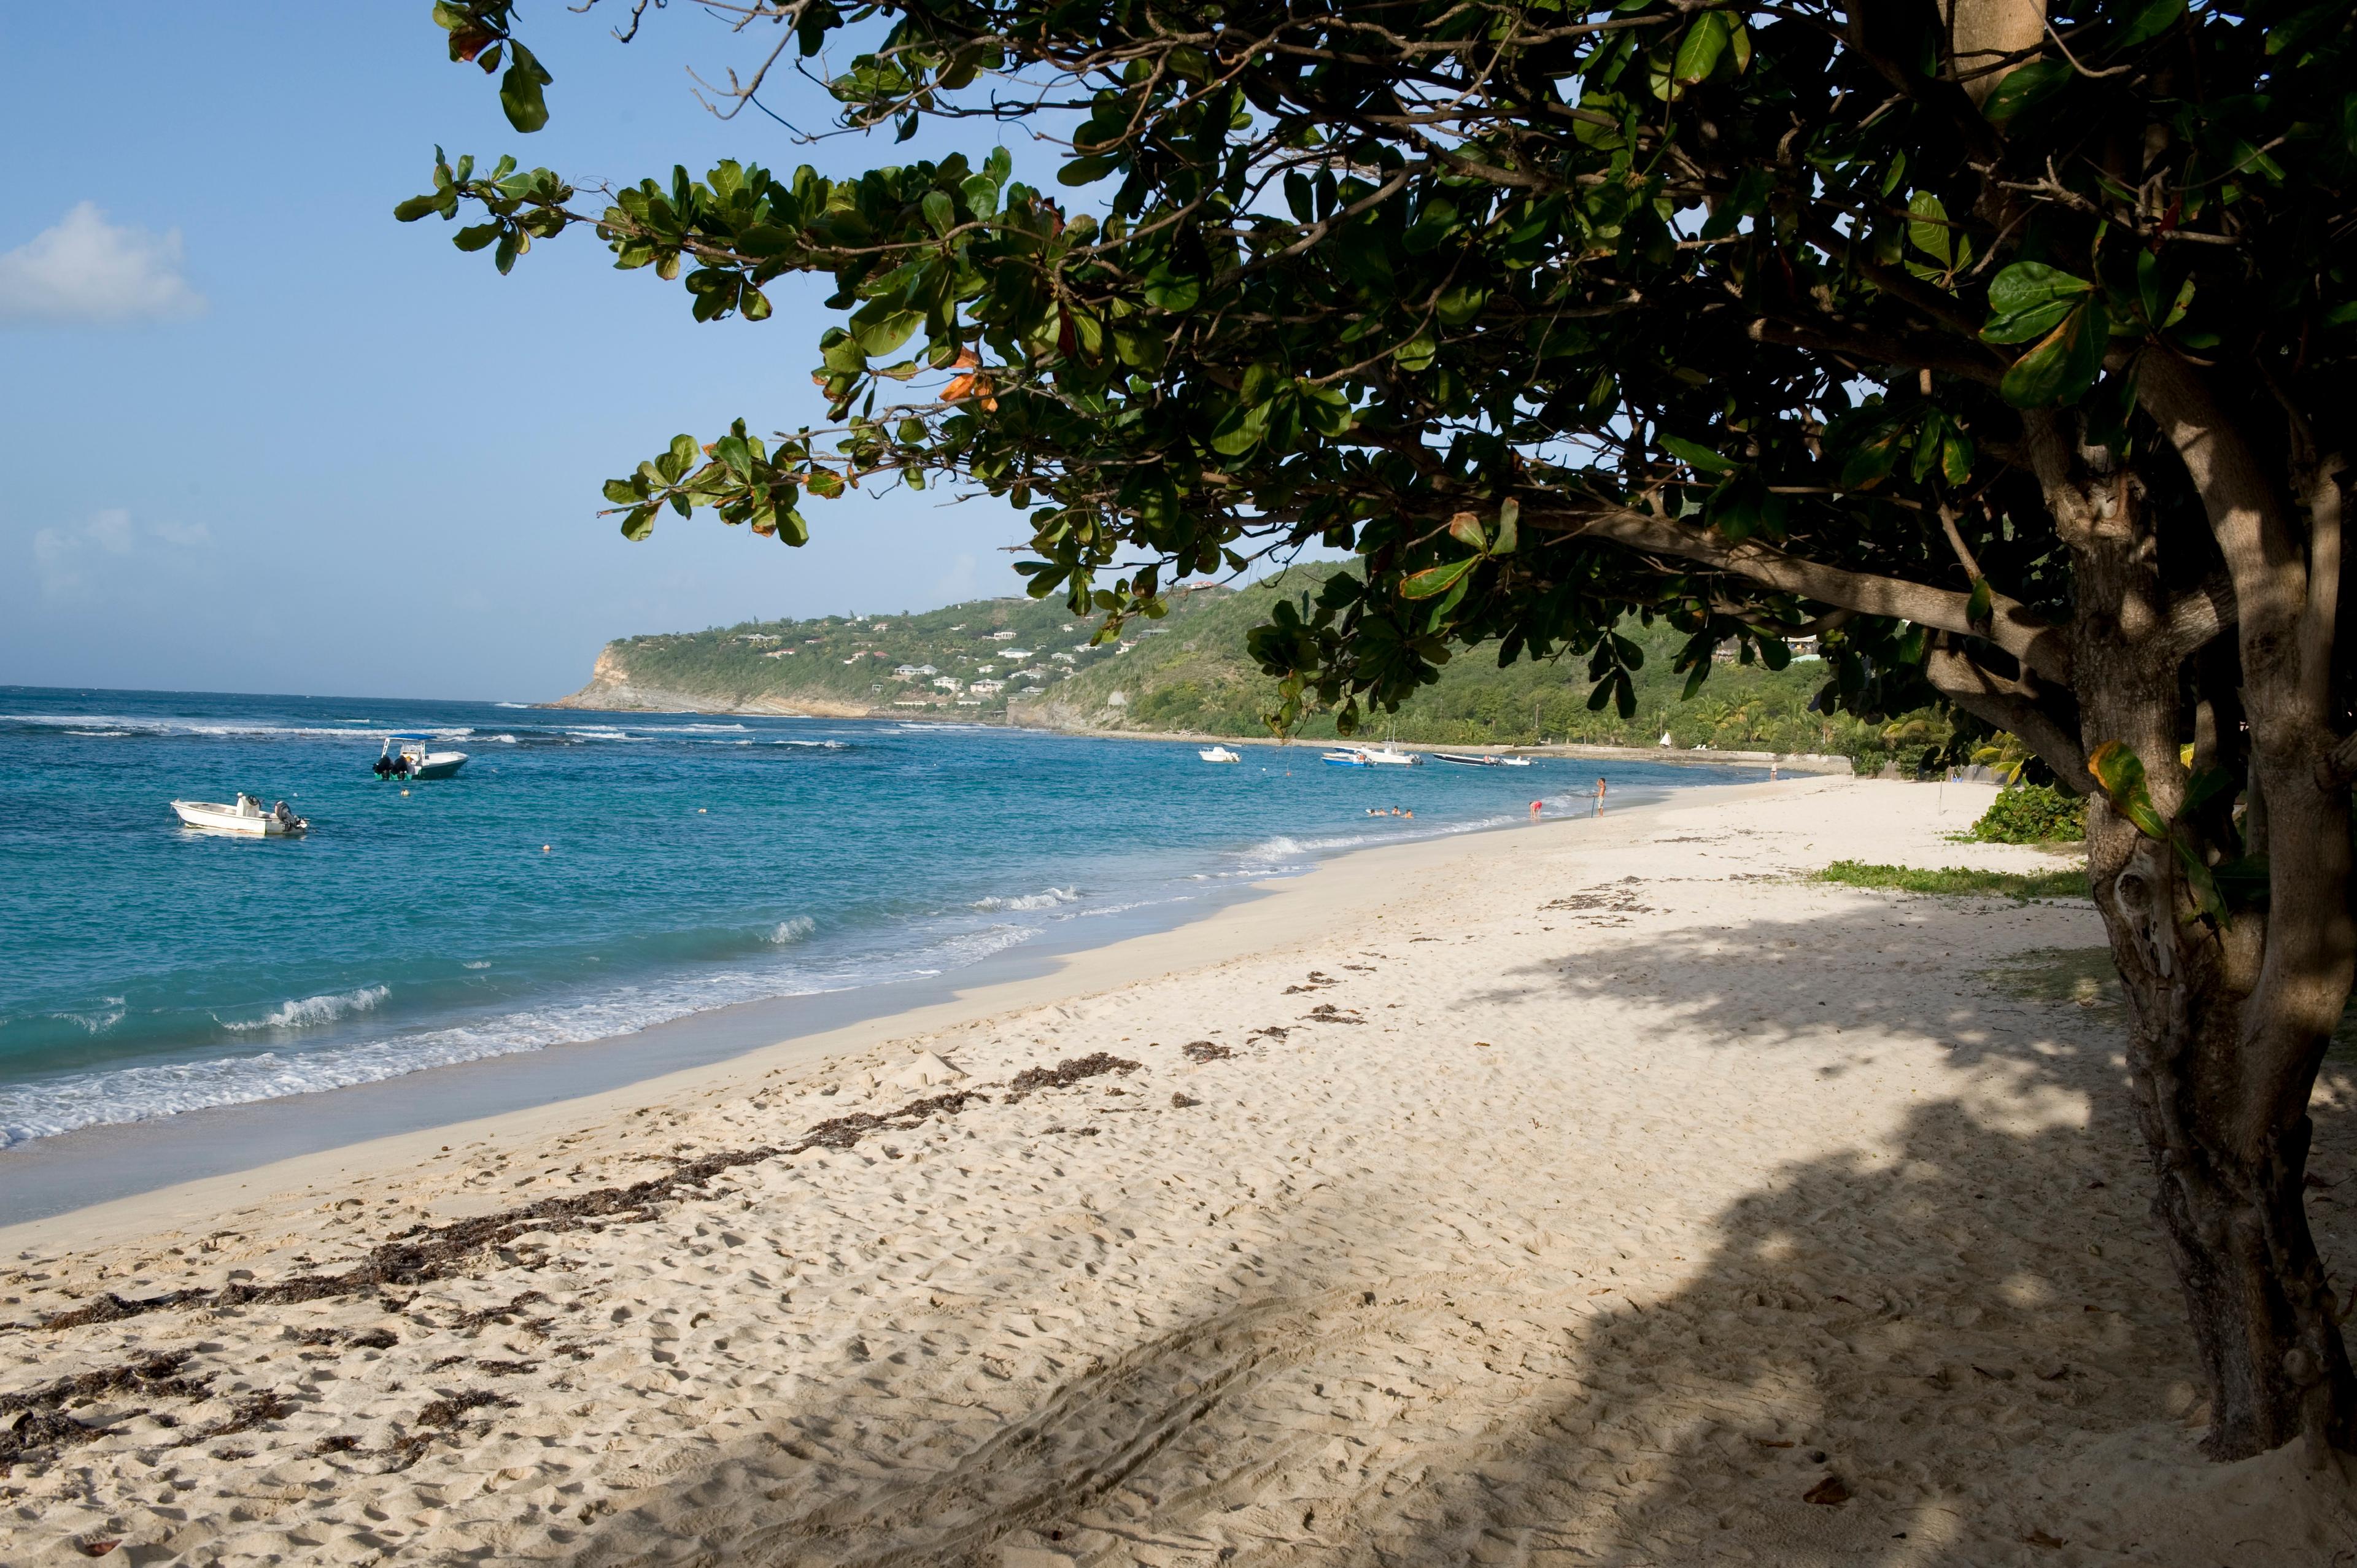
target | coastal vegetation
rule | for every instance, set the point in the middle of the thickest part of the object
(2032, 813)
(1959, 881)
(2001, 346)
(1189, 673)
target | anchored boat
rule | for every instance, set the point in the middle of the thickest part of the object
(1220, 754)
(413, 760)
(1481, 759)
(247, 816)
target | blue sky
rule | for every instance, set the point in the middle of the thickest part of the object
(261, 437)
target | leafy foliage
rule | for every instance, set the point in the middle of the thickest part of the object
(1552, 315)
(2032, 813)
(1958, 881)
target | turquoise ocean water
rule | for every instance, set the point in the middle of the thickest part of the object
(691, 862)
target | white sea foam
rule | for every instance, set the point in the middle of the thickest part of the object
(785, 933)
(1048, 899)
(476, 963)
(309, 1012)
(118, 724)
(100, 1019)
(44, 1109)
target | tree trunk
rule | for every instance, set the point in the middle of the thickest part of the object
(2231, 1018)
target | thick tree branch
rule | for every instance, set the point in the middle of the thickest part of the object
(2010, 705)
(2011, 626)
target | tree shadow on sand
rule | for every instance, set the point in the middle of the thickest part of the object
(1956, 1345)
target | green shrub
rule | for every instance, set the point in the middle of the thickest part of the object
(1958, 880)
(2032, 813)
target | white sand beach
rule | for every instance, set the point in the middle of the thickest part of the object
(1598, 1193)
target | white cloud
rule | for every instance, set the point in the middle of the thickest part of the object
(84, 269)
(65, 555)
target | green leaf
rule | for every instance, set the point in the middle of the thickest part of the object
(621, 492)
(1699, 53)
(1435, 580)
(1955, 456)
(940, 213)
(475, 236)
(2025, 88)
(1748, 199)
(883, 334)
(1466, 529)
(2206, 785)
(2149, 21)
(2027, 298)
(1165, 292)
(1509, 513)
(638, 523)
(1928, 233)
(2061, 369)
(2121, 773)
(1696, 455)
(417, 207)
(520, 90)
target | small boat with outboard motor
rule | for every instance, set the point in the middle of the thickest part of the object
(413, 760)
(1481, 759)
(247, 816)
(1220, 754)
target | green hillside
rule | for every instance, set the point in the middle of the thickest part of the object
(966, 660)
(1192, 676)
(1028, 662)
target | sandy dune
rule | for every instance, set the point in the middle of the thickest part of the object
(1591, 1195)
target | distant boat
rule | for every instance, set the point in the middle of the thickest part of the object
(1481, 759)
(1391, 757)
(1349, 759)
(414, 761)
(248, 816)
(1220, 754)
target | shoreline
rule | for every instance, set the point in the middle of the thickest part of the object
(213, 1149)
(1798, 761)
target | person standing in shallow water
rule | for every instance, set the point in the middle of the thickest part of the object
(1598, 809)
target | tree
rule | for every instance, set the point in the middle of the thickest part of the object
(2001, 347)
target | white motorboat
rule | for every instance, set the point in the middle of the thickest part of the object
(413, 760)
(1391, 757)
(1481, 759)
(1220, 754)
(248, 816)
(1347, 759)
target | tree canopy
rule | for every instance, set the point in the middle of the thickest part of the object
(1553, 312)
(1999, 342)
